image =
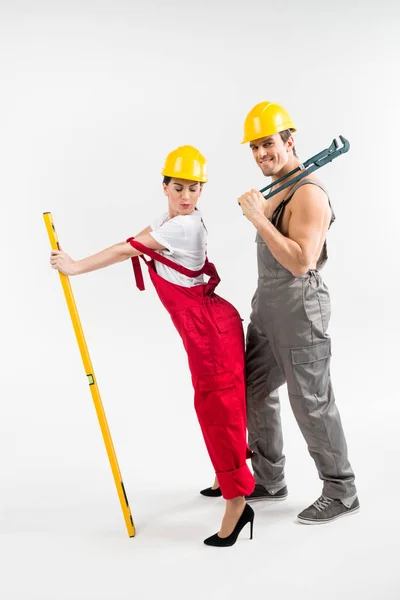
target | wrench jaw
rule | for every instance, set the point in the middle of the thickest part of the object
(346, 144)
(334, 146)
(339, 146)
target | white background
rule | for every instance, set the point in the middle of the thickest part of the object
(93, 96)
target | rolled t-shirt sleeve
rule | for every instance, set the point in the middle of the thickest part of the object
(170, 235)
(159, 221)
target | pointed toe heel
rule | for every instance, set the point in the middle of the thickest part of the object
(247, 516)
(210, 493)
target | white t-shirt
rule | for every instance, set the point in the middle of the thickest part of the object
(185, 240)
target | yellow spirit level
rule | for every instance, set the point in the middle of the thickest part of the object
(87, 363)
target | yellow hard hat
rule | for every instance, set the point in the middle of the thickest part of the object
(266, 118)
(186, 163)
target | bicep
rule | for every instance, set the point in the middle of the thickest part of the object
(307, 220)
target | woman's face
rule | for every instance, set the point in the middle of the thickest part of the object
(183, 195)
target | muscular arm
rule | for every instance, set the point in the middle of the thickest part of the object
(297, 251)
(114, 254)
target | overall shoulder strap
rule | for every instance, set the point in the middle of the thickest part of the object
(301, 183)
(277, 214)
(162, 259)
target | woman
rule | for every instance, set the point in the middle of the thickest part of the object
(210, 327)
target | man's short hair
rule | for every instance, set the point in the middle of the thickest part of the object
(285, 135)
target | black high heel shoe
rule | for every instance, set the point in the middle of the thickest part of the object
(211, 493)
(247, 516)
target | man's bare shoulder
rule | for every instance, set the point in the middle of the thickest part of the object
(310, 197)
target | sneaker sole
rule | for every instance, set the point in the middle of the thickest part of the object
(263, 499)
(324, 521)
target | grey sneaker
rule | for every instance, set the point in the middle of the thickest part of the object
(260, 493)
(325, 510)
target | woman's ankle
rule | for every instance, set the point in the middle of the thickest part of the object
(235, 504)
(215, 485)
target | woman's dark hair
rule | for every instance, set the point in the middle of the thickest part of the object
(167, 180)
(285, 135)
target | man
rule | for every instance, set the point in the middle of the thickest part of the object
(287, 338)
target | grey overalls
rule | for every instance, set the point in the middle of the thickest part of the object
(287, 341)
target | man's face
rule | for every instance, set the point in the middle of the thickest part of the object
(271, 153)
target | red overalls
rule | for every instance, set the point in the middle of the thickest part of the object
(212, 333)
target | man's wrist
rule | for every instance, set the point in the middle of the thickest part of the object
(259, 220)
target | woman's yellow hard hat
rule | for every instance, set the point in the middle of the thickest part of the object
(186, 163)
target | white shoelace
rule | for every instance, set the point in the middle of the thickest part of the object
(322, 503)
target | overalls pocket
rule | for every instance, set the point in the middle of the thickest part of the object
(316, 303)
(216, 399)
(310, 299)
(325, 307)
(196, 339)
(310, 366)
(231, 339)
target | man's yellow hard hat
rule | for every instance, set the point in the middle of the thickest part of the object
(266, 118)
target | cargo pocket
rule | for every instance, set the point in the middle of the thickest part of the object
(187, 321)
(325, 307)
(310, 366)
(311, 303)
(196, 340)
(231, 335)
(216, 399)
(232, 324)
